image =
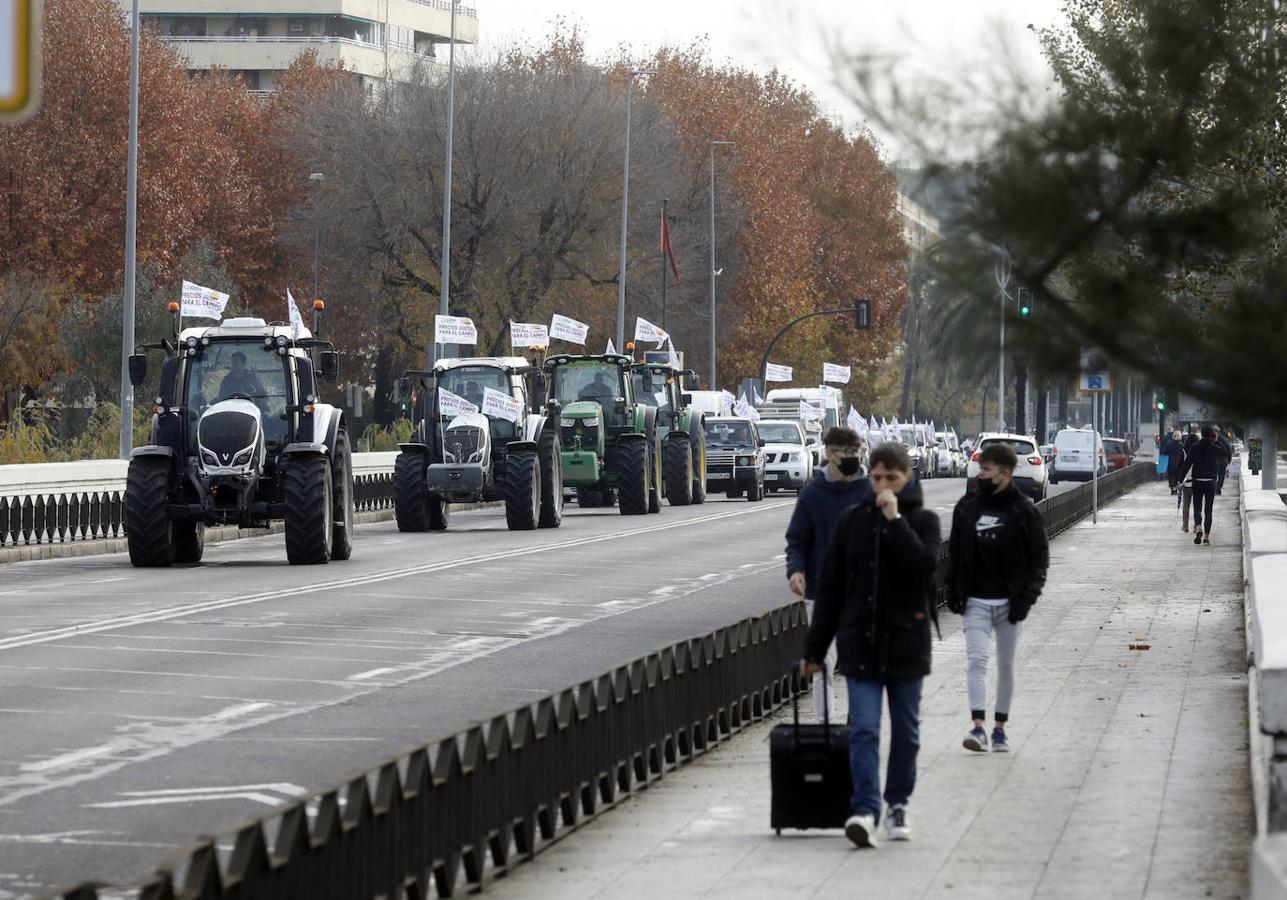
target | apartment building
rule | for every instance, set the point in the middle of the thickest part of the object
(379, 41)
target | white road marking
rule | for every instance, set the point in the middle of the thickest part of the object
(106, 580)
(267, 794)
(176, 612)
(67, 760)
(363, 676)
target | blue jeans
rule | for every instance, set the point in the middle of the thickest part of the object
(864, 741)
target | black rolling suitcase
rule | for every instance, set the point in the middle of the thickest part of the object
(809, 772)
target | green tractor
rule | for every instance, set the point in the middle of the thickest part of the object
(610, 440)
(683, 436)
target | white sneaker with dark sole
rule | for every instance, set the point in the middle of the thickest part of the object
(976, 740)
(861, 831)
(897, 828)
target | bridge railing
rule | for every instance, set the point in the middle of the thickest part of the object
(52, 503)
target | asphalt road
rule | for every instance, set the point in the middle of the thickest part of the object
(144, 707)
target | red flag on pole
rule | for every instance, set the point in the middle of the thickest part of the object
(666, 248)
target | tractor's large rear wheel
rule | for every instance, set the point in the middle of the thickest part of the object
(342, 496)
(149, 533)
(523, 491)
(310, 509)
(654, 476)
(678, 471)
(697, 443)
(632, 477)
(410, 497)
(551, 480)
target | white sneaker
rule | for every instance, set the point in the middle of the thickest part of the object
(897, 827)
(861, 830)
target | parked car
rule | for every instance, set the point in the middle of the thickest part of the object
(1031, 474)
(1118, 453)
(1078, 452)
(948, 454)
(788, 462)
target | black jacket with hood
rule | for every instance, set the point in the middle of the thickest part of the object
(876, 593)
(1025, 550)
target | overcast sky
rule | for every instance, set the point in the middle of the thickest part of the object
(792, 35)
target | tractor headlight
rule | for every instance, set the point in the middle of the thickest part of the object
(208, 458)
(243, 458)
(191, 342)
(281, 340)
(565, 422)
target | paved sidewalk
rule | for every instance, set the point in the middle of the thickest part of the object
(1128, 776)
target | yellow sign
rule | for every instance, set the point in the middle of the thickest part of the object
(19, 58)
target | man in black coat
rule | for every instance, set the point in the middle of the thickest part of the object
(875, 597)
(1205, 460)
(997, 561)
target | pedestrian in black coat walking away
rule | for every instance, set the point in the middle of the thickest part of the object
(876, 599)
(1205, 460)
(1173, 447)
(997, 561)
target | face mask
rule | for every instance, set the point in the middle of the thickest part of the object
(848, 465)
(986, 487)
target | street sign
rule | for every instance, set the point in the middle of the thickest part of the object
(1094, 370)
(1093, 382)
(19, 59)
(1191, 409)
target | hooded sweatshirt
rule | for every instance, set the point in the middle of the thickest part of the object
(817, 510)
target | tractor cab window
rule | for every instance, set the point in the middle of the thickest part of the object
(651, 389)
(239, 370)
(589, 380)
(731, 434)
(470, 382)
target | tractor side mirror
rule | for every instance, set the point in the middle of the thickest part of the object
(138, 369)
(687, 398)
(540, 383)
(329, 362)
(403, 392)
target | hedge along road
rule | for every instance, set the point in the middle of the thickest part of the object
(144, 707)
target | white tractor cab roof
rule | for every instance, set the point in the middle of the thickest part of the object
(830, 396)
(501, 362)
(712, 403)
(246, 327)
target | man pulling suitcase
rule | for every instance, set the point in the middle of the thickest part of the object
(876, 599)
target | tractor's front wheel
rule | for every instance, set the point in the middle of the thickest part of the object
(655, 476)
(522, 491)
(149, 533)
(189, 542)
(678, 471)
(589, 498)
(342, 495)
(551, 480)
(410, 497)
(310, 510)
(697, 443)
(632, 477)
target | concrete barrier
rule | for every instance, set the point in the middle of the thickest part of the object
(1264, 552)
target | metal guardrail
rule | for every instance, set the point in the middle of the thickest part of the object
(52, 517)
(417, 821)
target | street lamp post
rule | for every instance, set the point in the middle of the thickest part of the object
(444, 287)
(131, 232)
(1002, 273)
(625, 212)
(317, 179)
(714, 144)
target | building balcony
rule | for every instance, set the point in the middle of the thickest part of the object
(278, 52)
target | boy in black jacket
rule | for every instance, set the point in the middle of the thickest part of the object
(875, 597)
(1205, 460)
(998, 557)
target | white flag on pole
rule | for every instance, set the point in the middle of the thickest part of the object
(872, 426)
(296, 320)
(646, 331)
(745, 410)
(726, 402)
(774, 372)
(454, 330)
(610, 347)
(569, 330)
(501, 406)
(525, 334)
(810, 412)
(855, 421)
(835, 374)
(201, 302)
(451, 405)
(674, 357)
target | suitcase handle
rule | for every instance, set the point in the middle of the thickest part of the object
(795, 701)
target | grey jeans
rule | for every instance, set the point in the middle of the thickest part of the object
(981, 623)
(824, 691)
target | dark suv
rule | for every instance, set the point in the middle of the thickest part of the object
(734, 460)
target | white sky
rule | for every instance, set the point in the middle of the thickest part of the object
(947, 35)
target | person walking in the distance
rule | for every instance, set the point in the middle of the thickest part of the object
(1205, 459)
(835, 487)
(876, 598)
(1173, 449)
(997, 561)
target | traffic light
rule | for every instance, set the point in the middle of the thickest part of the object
(862, 315)
(1025, 303)
(1159, 403)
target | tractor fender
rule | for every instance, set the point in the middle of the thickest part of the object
(534, 428)
(304, 448)
(153, 450)
(677, 436)
(520, 447)
(632, 436)
(327, 421)
(413, 447)
(650, 421)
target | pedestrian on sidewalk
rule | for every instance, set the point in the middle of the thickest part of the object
(997, 561)
(835, 487)
(1205, 460)
(1227, 449)
(1173, 447)
(1185, 500)
(875, 597)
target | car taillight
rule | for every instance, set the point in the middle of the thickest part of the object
(974, 457)
(1035, 460)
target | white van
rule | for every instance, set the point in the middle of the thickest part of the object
(1077, 452)
(784, 403)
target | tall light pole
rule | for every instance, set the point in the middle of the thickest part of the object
(714, 144)
(625, 213)
(317, 179)
(444, 288)
(131, 231)
(1002, 272)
